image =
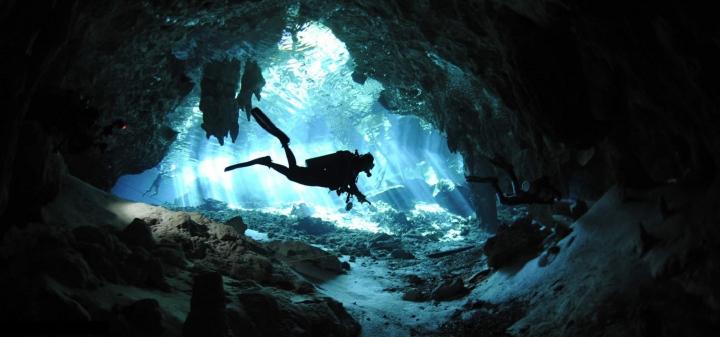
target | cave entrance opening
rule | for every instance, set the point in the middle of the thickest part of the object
(311, 95)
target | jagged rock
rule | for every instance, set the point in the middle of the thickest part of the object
(314, 226)
(252, 266)
(144, 318)
(402, 254)
(449, 290)
(238, 224)
(414, 295)
(277, 315)
(195, 249)
(520, 240)
(195, 234)
(207, 315)
(414, 279)
(385, 241)
(193, 228)
(224, 232)
(138, 233)
(306, 259)
(328, 317)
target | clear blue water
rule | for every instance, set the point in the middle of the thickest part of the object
(311, 96)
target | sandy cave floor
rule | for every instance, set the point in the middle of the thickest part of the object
(372, 289)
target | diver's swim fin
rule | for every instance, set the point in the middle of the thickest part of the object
(268, 125)
(262, 161)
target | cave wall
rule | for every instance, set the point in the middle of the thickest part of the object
(95, 84)
(139, 62)
(36, 41)
(587, 93)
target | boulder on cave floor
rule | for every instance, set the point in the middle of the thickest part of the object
(449, 290)
(314, 226)
(225, 232)
(522, 240)
(307, 260)
(275, 313)
(238, 224)
(415, 295)
(138, 233)
(384, 241)
(402, 254)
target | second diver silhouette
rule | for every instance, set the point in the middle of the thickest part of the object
(337, 171)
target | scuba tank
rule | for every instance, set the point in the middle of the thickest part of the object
(328, 160)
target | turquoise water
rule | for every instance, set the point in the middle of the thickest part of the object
(310, 95)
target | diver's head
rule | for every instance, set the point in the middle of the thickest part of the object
(365, 163)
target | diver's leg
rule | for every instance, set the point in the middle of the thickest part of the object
(268, 126)
(500, 163)
(504, 199)
(290, 156)
(259, 161)
(154, 186)
(280, 169)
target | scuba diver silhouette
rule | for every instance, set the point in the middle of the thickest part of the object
(538, 192)
(163, 173)
(337, 171)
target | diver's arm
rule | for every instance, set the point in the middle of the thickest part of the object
(356, 192)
